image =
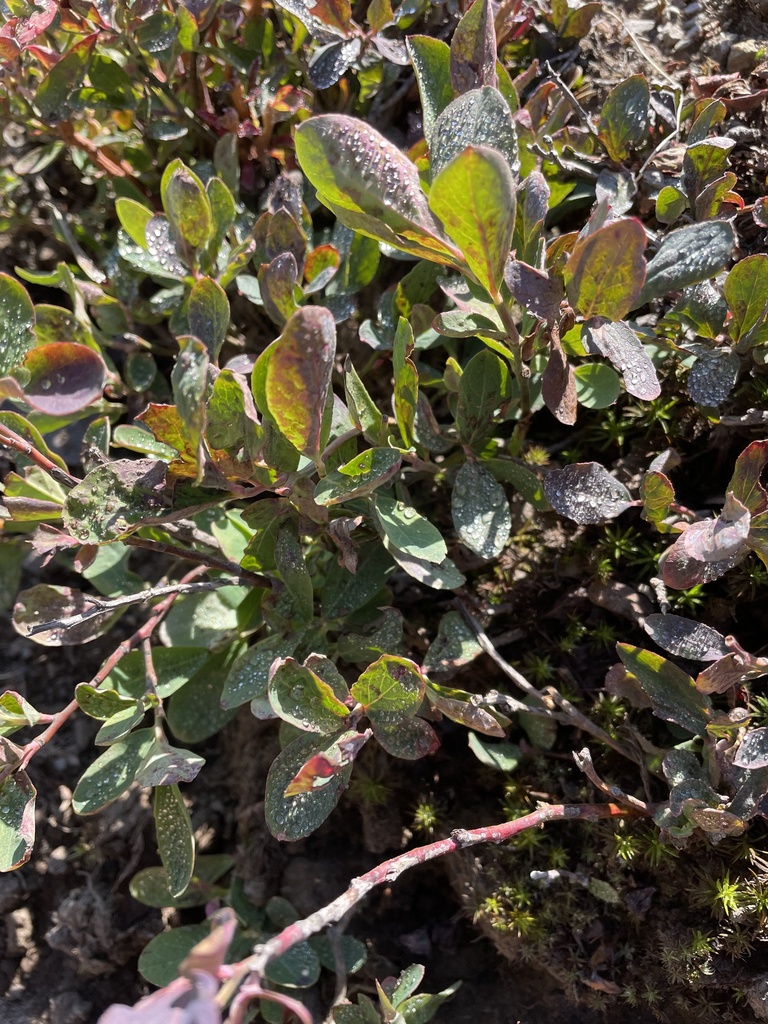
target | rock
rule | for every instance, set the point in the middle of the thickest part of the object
(745, 55)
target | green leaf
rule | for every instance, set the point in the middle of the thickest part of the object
(623, 122)
(407, 738)
(473, 49)
(289, 561)
(481, 117)
(194, 711)
(299, 696)
(484, 387)
(522, 479)
(112, 772)
(186, 203)
(345, 592)
(746, 292)
(208, 314)
(134, 218)
(203, 620)
(431, 58)
(175, 840)
(298, 968)
(189, 379)
(361, 476)
(161, 958)
(505, 757)
(671, 204)
(390, 686)
(17, 319)
(249, 675)
(363, 410)
(151, 886)
(686, 256)
(17, 811)
(55, 91)
(597, 385)
(15, 713)
(353, 952)
(474, 197)
(296, 378)
(370, 185)
(672, 692)
(293, 818)
(658, 494)
(102, 703)
(408, 531)
(605, 272)
(165, 765)
(480, 511)
(173, 667)
(406, 394)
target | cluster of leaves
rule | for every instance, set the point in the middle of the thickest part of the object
(210, 290)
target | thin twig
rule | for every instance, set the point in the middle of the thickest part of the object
(141, 634)
(100, 605)
(572, 99)
(390, 870)
(15, 442)
(547, 698)
(205, 558)
(584, 763)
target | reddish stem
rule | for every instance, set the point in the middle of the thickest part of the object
(10, 439)
(142, 633)
(391, 869)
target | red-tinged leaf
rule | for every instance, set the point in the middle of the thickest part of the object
(672, 692)
(168, 427)
(658, 494)
(209, 954)
(46, 603)
(9, 48)
(745, 482)
(730, 671)
(322, 767)
(336, 14)
(320, 267)
(473, 49)
(298, 375)
(619, 344)
(605, 272)
(64, 377)
(23, 31)
(277, 281)
(409, 738)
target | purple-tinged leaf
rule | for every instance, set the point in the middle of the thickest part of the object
(64, 377)
(535, 290)
(298, 375)
(745, 482)
(685, 638)
(732, 670)
(686, 256)
(586, 492)
(531, 214)
(605, 272)
(277, 281)
(558, 386)
(623, 120)
(680, 570)
(753, 750)
(473, 49)
(713, 377)
(370, 185)
(672, 692)
(622, 347)
(718, 540)
(45, 602)
(183, 1001)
